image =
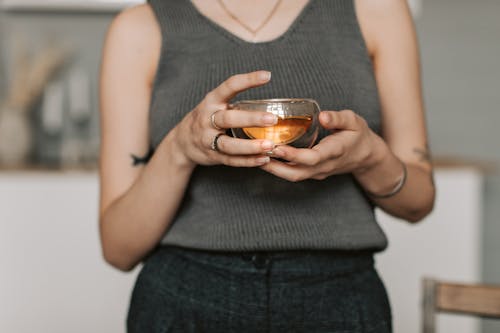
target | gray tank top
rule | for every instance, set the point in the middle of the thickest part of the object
(321, 56)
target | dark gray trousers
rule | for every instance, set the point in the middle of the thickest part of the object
(184, 290)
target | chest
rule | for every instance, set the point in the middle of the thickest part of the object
(330, 65)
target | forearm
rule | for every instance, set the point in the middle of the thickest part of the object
(135, 222)
(415, 199)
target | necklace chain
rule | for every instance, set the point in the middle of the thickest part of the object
(243, 24)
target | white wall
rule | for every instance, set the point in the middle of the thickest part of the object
(52, 277)
(446, 245)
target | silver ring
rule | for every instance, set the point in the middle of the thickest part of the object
(212, 121)
(214, 146)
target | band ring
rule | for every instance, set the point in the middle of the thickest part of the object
(214, 146)
(212, 121)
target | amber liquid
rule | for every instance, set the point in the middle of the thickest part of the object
(287, 130)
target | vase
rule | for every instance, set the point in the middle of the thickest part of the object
(15, 137)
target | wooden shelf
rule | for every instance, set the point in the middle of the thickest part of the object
(45, 169)
(452, 162)
(439, 162)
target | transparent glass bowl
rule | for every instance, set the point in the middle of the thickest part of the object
(297, 126)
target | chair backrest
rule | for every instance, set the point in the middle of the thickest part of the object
(472, 299)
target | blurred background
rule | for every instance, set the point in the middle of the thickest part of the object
(52, 277)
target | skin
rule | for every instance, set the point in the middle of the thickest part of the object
(138, 202)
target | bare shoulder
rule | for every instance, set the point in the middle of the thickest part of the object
(135, 36)
(136, 21)
(378, 17)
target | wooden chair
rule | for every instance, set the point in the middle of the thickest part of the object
(477, 300)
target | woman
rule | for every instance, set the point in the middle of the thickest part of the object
(233, 240)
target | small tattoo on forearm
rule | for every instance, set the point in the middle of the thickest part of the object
(142, 160)
(425, 155)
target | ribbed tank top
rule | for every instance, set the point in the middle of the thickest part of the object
(322, 56)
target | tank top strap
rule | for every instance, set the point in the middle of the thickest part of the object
(175, 16)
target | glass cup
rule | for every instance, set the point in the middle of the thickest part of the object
(297, 125)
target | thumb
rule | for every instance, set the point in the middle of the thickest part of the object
(342, 120)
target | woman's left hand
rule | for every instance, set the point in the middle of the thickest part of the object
(351, 148)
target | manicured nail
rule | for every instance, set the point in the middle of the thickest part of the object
(270, 119)
(263, 160)
(265, 76)
(267, 144)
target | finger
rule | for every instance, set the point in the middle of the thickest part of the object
(321, 176)
(242, 118)
(234, 146)
(236, 84)
(325, 150)
(243, 161)
(302, 156)
(344, 120)
(288, 172)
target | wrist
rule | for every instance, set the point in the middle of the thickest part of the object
(379, 152)
(173, 147)
(395, 190)
(384, 173)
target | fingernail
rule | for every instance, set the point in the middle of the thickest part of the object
(265, 76)
(326, 117)
(267, 144)
(278, 152)
(263, 160)
(270, 119)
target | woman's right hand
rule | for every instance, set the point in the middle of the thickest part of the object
(195, 134)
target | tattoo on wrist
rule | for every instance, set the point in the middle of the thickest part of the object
(142, 160)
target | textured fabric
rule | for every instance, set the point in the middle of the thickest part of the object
(187, 291)
(321, 56)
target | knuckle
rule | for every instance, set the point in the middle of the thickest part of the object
(222, 143)
(326, 169)
(349, 113)
(255, 77)
(315, 159)
(211, 157)
(193, 116)
(254, 162)
(339, 150)
(226, 160)
(224, 118)
(342, 150)
(297, 178)
(250, 162)
(362, 121)
(210, 96)
(257, 148)
(241, 162)
(232, 83)
(205, 141)
(291, 155)
(236, 77)
(320, 177)
(350, 116)
(256, 117)
(367, 154)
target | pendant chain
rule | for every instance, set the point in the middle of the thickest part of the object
(248, 28)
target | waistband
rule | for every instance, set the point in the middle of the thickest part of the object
(334, 261)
